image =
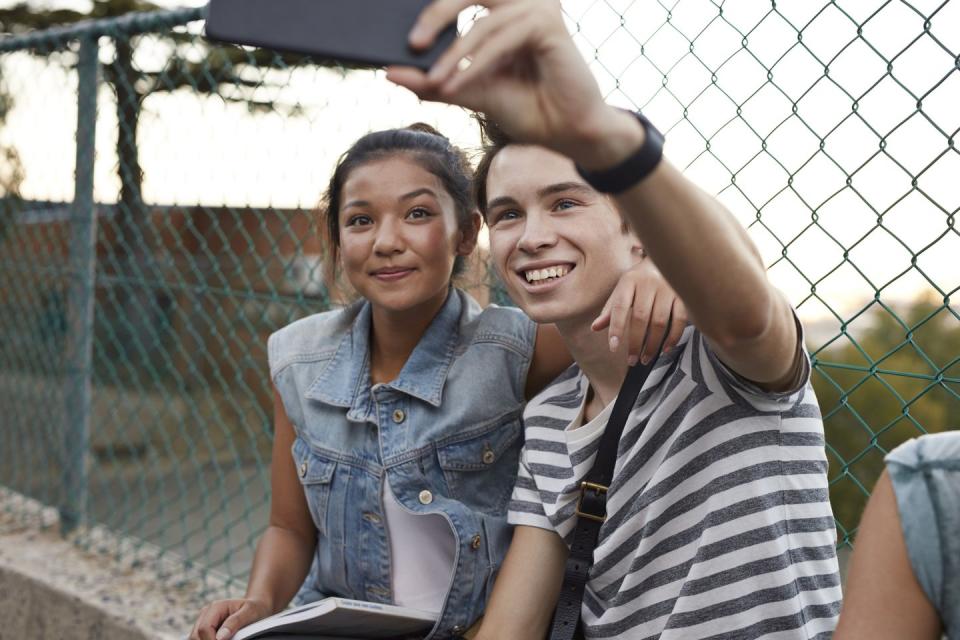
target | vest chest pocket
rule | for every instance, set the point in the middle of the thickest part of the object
(480, 470)
(316, 476)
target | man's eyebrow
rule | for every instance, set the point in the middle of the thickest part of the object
(406, 196)
(563, 186)
(501, 201)
(559, 187)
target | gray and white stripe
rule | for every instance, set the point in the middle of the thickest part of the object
(719, 521)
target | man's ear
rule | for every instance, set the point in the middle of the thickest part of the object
(469, 235)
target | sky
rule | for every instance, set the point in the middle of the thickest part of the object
(828, 160)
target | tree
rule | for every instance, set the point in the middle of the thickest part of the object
(870, 413)
(194, 64)
(11, 170)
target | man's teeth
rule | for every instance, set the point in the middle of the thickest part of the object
(536, 275)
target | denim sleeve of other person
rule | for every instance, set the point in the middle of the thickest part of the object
(904, 577)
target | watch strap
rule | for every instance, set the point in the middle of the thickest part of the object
(632, 170)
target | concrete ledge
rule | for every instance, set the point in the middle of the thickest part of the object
(51, 589)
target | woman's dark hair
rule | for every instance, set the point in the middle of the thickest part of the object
(424, 145)
(494, 141)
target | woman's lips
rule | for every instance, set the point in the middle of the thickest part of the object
(392, 275)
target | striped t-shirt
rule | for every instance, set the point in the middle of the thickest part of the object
(718, 519)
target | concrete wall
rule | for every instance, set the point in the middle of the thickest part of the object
(51, 589)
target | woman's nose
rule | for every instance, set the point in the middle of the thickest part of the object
(388, 238)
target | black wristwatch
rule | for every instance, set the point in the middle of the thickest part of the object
(632, 170)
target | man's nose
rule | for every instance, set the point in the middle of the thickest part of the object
(538, 233)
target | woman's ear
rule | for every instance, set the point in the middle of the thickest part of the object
(469, 235)
(637, 250)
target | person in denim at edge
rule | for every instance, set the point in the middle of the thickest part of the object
(904, 579)
(402, 411)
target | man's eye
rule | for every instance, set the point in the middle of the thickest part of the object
(503, 216)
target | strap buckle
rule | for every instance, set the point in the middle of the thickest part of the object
(598, 490)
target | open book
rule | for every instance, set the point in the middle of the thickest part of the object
(341, 618)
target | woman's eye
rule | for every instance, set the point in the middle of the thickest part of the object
(358, 220)
(565, 204)
(418, 213)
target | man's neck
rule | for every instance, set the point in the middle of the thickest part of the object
(604, 370)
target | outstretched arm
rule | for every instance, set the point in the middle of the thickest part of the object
(519, 65)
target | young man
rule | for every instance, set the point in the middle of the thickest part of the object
(718, 521)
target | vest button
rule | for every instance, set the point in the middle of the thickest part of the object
(399, 416)
(371, 517)
(303, 469)
(489, 456)
(426, 497)
(475, 542)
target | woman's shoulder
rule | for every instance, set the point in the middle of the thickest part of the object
(925, 475)
(934, 450)
(311, 336)
(495, 323)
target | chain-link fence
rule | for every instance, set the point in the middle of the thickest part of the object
(156, 226)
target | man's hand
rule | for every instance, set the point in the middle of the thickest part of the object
(518, 65)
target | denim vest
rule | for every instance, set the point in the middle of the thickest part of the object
(446, 433)
(925, 473)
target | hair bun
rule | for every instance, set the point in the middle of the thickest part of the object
(423, 127)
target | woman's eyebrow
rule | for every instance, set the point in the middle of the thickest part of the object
(356, 203)
(406, 196)
(418, 192)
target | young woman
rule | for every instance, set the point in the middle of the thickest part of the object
(397, 418)
(717, 522)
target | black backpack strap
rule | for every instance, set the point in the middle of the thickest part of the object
(592, 505)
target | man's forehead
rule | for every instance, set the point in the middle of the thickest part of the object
(529, 170)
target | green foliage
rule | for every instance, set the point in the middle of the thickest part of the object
(895, 379)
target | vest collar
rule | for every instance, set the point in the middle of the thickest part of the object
(345, 381)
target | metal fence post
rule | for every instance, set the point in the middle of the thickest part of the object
(82, 272)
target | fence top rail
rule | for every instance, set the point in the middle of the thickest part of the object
(126, 25)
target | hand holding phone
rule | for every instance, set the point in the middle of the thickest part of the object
(365, 32)
(518, 65)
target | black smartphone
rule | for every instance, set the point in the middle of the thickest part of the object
(363, 32)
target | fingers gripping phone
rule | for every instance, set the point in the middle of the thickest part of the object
(366, 32)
